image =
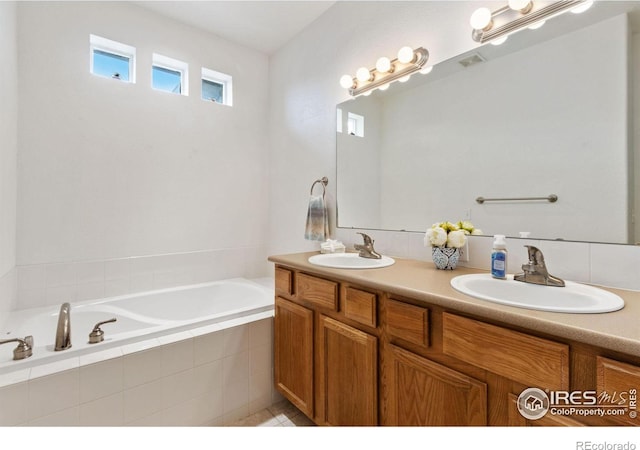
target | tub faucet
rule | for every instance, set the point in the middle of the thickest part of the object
(366, 250)
(535, 271)
(24, 348)
(63, 332)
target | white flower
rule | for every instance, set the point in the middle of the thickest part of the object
(476, 232)
(456, 239)
(435, 236)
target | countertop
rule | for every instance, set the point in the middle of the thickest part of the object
(618, 331)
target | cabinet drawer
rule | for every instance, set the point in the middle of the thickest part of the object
(408, 322)
(323, 293)
(284, 281)
(529, 360)
(359, 306)
(615, 377)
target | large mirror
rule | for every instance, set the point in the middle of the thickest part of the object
(549, 112)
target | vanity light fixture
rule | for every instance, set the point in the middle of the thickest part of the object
(408, 61)
(495, 26)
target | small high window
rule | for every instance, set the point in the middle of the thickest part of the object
(169, 75)
(355, 125)
(217, 87)
(112, 59)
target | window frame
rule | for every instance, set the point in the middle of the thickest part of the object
(173, 65)
(213, 76)
(104, 45)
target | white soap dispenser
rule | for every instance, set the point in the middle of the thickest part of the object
(499, 257)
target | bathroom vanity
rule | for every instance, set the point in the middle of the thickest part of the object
(399, 346)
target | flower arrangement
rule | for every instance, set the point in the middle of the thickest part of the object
(449, 235)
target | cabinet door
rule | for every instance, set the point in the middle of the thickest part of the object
(348, 390)
(422, 392)
(293, 348)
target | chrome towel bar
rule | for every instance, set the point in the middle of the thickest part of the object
(323, 181)
(551, 199)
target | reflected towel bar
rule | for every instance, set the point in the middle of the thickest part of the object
(323, 181)
(551, 199)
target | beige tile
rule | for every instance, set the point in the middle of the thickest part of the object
(235, 368)
(106, 411)
(153, 420)
(101, 379)
(13, 409)
(263, 418)
(177, 357)
(208, 347)
(261, 358)
(236, 395)
(69, 417)
(142, 367)
(142, 401)
(236, 340)
(208, 377)
(178, 388)
(261, 333)
(53, 393)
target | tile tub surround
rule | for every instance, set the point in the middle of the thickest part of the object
(213, 375)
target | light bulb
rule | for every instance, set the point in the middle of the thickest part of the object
(404, 79)
(384, 87)
(405, 55)
(499, 41)
(383, 64)
(346, 81)
(582, 8)
(523, 6)
(481, 19)
(537, 25)
(426, 70)
(363, 74)
(368, 93)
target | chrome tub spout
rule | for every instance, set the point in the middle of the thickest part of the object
(63, 332)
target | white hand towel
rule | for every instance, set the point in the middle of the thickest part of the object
(317, 228)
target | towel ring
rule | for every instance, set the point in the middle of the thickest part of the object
(323, 181)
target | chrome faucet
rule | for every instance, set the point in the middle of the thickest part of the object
(63, 332)
(24, 348)
(535, 271)
(366, 250)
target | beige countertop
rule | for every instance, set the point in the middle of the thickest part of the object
(618, 331)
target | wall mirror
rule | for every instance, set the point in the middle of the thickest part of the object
(549, 112)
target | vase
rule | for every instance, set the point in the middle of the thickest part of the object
(445, 258)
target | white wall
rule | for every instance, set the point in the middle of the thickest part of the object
(8, 151)
(111, 170)
(304, 91)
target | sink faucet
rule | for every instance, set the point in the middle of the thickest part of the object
(63, 332)
(535, 271)
(366, 250)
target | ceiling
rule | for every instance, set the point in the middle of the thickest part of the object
(264, 25)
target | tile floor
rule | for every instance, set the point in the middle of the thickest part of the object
(281, 414)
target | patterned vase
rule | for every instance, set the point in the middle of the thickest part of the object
(445, 258)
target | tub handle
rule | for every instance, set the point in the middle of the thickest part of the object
(24, 348)
(97, 335)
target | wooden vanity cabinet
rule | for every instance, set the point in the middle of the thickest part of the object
(350, 355)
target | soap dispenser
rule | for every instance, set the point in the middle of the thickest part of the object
(499, 257)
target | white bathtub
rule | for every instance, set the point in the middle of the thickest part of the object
(140, 317)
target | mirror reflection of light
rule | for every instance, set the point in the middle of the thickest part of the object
(500, 40)
(537, 25)
(426, 70)
(384, 87)
(582, 8)
(404, 79)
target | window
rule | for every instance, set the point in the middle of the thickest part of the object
(355, 125)
(112, 59)
(217, 87)
(169, 75)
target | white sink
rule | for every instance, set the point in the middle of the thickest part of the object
(349, 261)
(573, 298)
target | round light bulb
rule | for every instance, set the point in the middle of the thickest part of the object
(363, 74)
(383, 64)
(537, 25)
(582, 8)
(404, 79)
(384, 87)
(499, 41)
(481, 19)
(346, 81)
(520, 5)
(405, 55)
(426, 70)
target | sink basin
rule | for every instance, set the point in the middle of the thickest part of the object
(349, 261)
(573, 298)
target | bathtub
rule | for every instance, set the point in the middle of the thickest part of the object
(139, 317)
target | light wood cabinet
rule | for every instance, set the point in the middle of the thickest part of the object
(348, 375)
(423, 392)
(293, 353)
(352, 355)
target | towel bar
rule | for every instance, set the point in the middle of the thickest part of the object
(551, 199)
(323, 181)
